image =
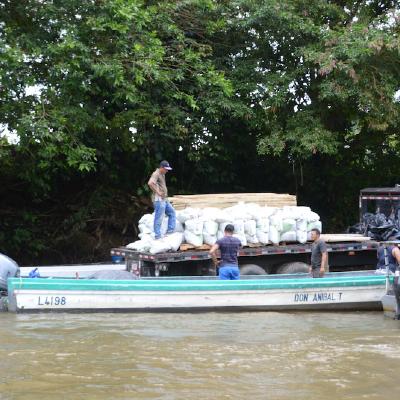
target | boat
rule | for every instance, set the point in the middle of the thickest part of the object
(342, 291)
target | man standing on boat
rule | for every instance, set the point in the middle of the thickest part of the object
(229, 247)
(393, 259)
(319, 255)
(160, 199)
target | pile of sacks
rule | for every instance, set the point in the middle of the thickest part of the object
(253, 224)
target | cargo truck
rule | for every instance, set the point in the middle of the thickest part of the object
(344, 254)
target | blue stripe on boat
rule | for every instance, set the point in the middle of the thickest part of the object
(191, 285)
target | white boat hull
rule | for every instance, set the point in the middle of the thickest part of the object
(280, 299)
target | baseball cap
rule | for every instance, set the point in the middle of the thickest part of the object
(165, 164)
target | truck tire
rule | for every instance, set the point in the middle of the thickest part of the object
(293, 268)
(252, 269)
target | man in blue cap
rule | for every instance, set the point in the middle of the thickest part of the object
(160, 199)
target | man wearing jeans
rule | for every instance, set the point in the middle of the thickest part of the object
(160, 199)
(229, 247)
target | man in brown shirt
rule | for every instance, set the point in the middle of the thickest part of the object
(160, 199)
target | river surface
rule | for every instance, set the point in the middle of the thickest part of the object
(261, 355)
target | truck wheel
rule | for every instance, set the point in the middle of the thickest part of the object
(252, 269)
(293, 268)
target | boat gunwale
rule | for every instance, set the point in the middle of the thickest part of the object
(191, 285)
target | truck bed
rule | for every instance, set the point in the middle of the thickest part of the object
(178, 256)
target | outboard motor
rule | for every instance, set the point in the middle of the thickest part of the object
(8, 269)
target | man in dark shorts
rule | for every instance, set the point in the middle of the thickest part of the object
(319, 255)
(229, 247)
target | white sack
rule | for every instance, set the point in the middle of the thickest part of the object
(314, 225)
(250, 227)
(276, 221)
(242, 238)
(194, 226)
(140, 245)
(220, 235)
(209, 239)
(159, 246)
(143, 228)
(288, 225)
(254, 210)
(174, 240)
(290, 236)
(274, 235)
(188, 213)
(301, 236)
(263, 224)
(147, 219)
(193, 239)
(263, 237)
(146, 236)
(239, 226)
(266, 212)
(251, 239)
(179, 227)
(223, 216)
(295, 212)
(210, 228)
(301, 225)
(312, 216)
(238, 212)
(210, 213)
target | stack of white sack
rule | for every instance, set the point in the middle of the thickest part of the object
(146, 225)
(305, 219)
(252, 222)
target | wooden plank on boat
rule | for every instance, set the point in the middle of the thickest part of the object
(331, 237)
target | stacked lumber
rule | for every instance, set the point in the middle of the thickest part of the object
(225, 200)
(333, 237)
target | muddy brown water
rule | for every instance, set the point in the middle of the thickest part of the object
(263, 355)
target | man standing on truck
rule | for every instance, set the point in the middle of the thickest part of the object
(319, 255)
(160, 199)
(229, 247)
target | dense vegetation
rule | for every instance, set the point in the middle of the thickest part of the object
(291, 96)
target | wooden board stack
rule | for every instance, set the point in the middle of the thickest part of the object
(225, 200)
(344, 237)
